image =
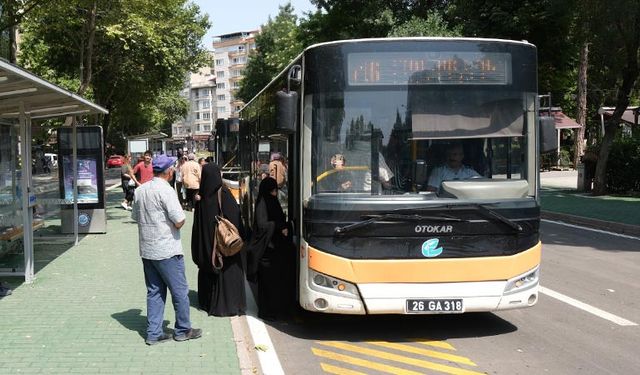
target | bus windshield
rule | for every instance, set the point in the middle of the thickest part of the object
(436, 120)
(418, 138)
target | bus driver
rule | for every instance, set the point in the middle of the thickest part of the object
(453, 169)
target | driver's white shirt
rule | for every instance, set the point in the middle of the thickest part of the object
(444, 173)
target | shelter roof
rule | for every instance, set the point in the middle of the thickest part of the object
(41, 98)
(629, 115)
(156, 135)
(561, 120)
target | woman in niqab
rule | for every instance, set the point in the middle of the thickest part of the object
(272, 256)
(220, 292)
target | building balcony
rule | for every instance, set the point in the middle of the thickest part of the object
(237, 53)
(237, 65)
(203, 85)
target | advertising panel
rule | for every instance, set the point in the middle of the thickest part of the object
(87, 178)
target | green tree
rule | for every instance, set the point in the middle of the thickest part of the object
(433, 25)
(127, 55)
(614, 68)
(11, 14)
(548, 24)
(277, 44)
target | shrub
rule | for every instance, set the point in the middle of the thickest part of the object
(623, 167)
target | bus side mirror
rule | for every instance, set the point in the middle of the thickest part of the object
(286, 111)
(548, 135)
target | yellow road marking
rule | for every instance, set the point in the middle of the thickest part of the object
(425, 352)
(437, 344)
(363, 363)
(399, 358)
(339, 370)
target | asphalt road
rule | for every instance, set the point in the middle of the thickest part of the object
(557, 336)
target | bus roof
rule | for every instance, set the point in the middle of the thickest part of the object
(434, 38)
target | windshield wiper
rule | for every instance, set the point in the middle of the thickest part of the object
(391, 217)
(483, 209)
(506, 220)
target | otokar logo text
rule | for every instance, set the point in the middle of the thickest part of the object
(434, 228)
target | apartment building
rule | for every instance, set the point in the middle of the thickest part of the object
(193, 132)
(231, 54)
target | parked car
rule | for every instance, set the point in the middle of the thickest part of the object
(115, 161)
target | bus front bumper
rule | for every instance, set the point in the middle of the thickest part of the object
(397, 298)
(473, 296)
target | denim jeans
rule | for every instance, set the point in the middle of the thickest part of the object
(158, 275)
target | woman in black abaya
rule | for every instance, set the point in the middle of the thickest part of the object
(273, 254)
(220, 292)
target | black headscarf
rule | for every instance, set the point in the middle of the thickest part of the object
(205, 212)
(269, 220)
(274, 210)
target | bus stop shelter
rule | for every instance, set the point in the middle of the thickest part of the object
(561, 121)
(629, 118)
(25, 97)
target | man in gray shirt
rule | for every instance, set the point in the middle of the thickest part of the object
(159, 215)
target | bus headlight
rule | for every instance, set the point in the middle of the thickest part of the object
(327, 284)
(522, 282)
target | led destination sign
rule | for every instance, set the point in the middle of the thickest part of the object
(429, 68)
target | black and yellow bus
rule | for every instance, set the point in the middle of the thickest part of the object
(388, 230)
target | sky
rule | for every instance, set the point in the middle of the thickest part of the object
(243, 15)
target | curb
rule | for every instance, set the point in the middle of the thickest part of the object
(247, 357)
(620, 228)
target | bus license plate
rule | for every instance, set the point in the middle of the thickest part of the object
(435, 306)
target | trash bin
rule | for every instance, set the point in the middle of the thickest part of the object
(581, 177)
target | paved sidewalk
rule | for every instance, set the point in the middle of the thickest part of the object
(86, 313)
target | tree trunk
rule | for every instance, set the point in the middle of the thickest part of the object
(582, 104)
(87, 50)
(13, 44)
(12, 9)
(629, 77)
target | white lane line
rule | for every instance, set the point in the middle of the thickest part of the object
(268, 358)
(586, 307)
(592, 229)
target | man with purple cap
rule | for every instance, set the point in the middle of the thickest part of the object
(159, 215)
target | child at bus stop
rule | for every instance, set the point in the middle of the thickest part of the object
(338, 162)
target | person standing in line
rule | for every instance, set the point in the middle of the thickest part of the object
(202, 162)
(178, 173)
(272, 261)
(129, 182)
(220, 292)
(159, 216)
(277, 169)
(144, 169)
(191, 171)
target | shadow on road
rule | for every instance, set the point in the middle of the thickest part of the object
(558, 236)
(396, 328)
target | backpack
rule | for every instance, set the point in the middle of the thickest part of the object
(226, 238)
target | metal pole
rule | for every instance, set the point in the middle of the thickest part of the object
(558, 162)
(27, 213)
(74, 163)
